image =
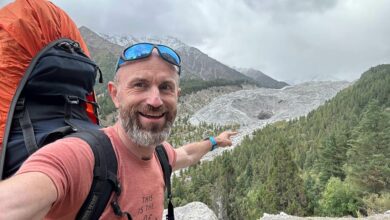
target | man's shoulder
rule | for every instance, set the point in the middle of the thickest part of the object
(171, 153)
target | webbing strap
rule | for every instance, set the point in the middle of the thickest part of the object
(105, 180)
(167, 170)
(26, 126)
(69, 101)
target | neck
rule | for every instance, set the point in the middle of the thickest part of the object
(141, 152)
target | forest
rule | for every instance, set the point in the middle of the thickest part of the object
(333, 162)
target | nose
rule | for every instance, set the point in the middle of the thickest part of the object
(154, 97)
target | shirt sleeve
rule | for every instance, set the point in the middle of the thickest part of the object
(171, 153)
(69, 164)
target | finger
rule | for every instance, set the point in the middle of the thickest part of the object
(232, 133)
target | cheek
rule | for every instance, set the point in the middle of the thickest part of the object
(171, 103)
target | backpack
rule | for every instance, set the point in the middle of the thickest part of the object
(46, 93)
(55, 99)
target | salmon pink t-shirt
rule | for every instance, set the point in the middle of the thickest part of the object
(69, 163)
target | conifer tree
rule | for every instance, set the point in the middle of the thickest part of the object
(283, 189)
(369, 157)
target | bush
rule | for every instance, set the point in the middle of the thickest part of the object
(339, 199)
(377, 203)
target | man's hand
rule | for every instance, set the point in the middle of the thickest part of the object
(223, 139)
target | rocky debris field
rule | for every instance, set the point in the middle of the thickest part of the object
(255, 108)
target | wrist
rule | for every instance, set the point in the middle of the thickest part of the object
(213, 142)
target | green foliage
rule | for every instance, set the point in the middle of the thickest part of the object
(183, 132)
(369, 157)
(377, 203)
(192, 85)
(332, 153)
(339, 199)
(277, 194)
(248, 181)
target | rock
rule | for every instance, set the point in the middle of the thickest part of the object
(193, 211)
(284, 216)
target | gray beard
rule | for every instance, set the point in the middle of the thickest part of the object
(140, 136)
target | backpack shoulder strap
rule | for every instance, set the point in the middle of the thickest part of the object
(167, 171)
(104, 174)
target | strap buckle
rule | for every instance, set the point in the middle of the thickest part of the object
(73, 100)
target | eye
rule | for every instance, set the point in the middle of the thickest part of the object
(140, 85)
(167, 87)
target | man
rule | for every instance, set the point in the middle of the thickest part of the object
(55, 181)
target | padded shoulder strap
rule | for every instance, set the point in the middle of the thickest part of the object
(167, 170)
(104, 175)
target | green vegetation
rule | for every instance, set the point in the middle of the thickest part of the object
(194, 85)
(183, 132)
(335, 161)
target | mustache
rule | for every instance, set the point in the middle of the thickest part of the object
(149, 108)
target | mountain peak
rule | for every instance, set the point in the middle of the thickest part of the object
(262, 79)
(127, 40)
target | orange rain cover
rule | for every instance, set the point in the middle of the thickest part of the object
(26, 27)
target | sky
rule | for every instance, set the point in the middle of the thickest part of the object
(290, 40)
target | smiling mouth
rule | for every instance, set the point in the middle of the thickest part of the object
(152, 115)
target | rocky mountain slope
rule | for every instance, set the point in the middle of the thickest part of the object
(262, 79)
(255, 108)
(196, 65)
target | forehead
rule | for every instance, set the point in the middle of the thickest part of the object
(151, 67)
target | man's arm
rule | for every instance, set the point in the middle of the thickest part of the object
(191, 153)
(26, 196)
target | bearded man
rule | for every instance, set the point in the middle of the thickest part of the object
(54, 182)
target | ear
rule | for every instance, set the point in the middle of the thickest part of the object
(178, 92)
(113, 90)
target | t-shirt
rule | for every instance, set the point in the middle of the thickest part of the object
(69, 163)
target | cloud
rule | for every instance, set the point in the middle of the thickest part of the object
(292, 40)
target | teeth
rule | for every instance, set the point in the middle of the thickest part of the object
(153, 115)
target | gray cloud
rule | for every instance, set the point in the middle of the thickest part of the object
(293, 40)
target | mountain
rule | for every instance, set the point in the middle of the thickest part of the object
(262, 79)
(198, 69)
(255, 108)
(104, 53)
(332, 162)
(263, 105)
(195, 64)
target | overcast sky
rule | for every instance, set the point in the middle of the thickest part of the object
(289, 40)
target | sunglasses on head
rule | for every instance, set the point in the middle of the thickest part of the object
(143, 50)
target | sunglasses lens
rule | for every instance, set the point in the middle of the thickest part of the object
(138, 51)
(142, 50)
(169, 55)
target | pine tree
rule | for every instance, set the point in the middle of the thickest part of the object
(283, 189)
(332, 156)
(369, 157)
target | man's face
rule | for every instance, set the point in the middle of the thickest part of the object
(146, 98)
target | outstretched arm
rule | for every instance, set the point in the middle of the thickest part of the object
(26, 196)
(191, 153)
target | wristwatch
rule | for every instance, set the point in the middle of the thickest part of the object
(214, 144)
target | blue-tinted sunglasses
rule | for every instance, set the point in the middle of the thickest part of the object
(143, 50)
